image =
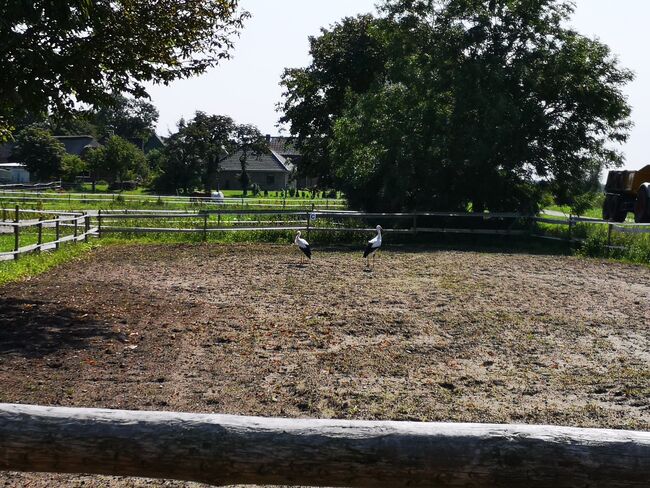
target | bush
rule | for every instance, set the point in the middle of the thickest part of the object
(266, 193)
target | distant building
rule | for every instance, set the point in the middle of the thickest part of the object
(271, 171)
(12, 173)
(286, 148)
(78, 144)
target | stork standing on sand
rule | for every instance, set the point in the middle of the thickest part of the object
(303, 245)
(373, 246)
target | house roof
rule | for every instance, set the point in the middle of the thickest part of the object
(283, 145)
(77, 144)
(271, 161)
(7, 166)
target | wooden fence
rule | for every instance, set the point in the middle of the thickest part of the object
(25, 197)
(223, 450)
(78, 224)
(223, 220)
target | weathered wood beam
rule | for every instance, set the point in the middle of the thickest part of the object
(222, 450)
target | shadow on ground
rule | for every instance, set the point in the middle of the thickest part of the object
(37, 328)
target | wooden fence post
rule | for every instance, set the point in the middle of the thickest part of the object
(308, 224)
(609, 238)
(40, 233)
(99, 223)
(17, 216)
(16, 241)
(415, 223)
(76, 228)
(205, 226)
(86, 226)
(57, 231)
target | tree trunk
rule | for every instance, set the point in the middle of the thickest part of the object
(223, 450)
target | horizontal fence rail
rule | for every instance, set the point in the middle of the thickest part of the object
(206, 222)
(224, 450)
(288, 202)
(78, 226)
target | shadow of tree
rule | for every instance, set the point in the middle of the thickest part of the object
(34, 328)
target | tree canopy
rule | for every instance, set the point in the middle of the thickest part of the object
(55, 54)
(194, 153)
(40, 152)
(458, 104)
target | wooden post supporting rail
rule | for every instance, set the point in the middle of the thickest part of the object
(99, 223)
(16, 241)
(40, 234)
(224, 450)
(57, 232)
(86, 226)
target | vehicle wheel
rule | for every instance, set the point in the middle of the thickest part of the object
(606, 207)
(642, 206)
(617, 210)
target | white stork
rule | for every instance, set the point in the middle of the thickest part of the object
(303, 245)
(373, 246)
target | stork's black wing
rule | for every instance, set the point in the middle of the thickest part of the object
(307, 251)
(368, 250)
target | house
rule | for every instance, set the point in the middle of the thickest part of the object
(12, 173)
(271, 171)
(78, 144)
(286, 148)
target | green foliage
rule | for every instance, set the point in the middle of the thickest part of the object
(117, 161)
(35, 264)
(114, 47)
(194, 153)
(40, 152)
(129, 118)
(456, 104)
(71, 167)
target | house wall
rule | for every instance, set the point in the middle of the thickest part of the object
(267, 180)
(14, 175)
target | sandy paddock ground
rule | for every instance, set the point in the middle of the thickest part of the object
(242, 329)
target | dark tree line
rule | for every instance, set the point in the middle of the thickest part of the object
(458, 104)
(56, 54)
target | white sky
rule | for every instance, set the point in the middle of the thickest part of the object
(246, 87)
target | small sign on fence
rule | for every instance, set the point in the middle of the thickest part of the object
(312, 216)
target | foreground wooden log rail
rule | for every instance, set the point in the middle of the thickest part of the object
(221, 450)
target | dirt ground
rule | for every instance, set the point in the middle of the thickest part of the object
(241, 329)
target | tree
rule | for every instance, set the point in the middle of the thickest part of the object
(117, 161)
(40, 152)
(474, 104)
(346, 59)
(130, 118)
(201, 144)
(55, 54)
(71, 167)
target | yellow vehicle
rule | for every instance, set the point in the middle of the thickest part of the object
(627, 191)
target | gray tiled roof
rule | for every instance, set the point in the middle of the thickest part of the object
(76, 144)
(283, 146)
(271, 161)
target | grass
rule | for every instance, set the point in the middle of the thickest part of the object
(34, 264)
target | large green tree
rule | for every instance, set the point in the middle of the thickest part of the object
(117, 161)
(195, 152)
(56, 53)
(474, 104)
(40, 152)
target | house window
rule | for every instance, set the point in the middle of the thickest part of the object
(270, 179)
